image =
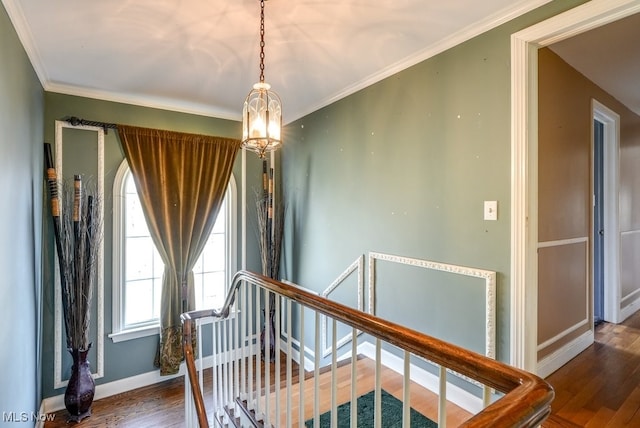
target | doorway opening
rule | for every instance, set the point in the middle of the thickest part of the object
(598, 222)
(524, 165)
(606, 236)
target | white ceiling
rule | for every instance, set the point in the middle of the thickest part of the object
(610, 57)
(201, 56)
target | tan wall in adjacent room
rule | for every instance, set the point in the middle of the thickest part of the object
(565, 200)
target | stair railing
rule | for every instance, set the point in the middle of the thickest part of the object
(526, 399)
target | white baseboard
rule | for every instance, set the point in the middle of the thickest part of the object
(309, 364)
(559, 358)
(55, 403)
(629, 310)
(455, 394)
(40, 422)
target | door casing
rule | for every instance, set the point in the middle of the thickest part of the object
(524, 161)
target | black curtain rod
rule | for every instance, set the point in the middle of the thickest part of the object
(75, 121)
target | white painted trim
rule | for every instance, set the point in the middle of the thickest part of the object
(356, 266)
(524, 163)
(559, 358)
(308, 362)
(630, 296)
(422, 377)
(630, 232)
(99, 291)
(611, 151)
(630, 309)
(134, 333)
(243, 209)
(564, 333)
(42, 416)
(489, 283)
(523, 229)
(55, 403)
(588, 307)
(19, 21)
(118, 334)
(561, 242)
(231, 232)
(17, 18)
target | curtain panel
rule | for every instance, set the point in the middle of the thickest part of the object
(181, 179)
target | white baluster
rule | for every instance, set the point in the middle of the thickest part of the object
(236, 361)
(486, 396)
(316, 373)
(225, 365)
(289, 359)
(377, 420)
(267, 356)
(218, 366)
(257, 357)
(242, 316)
(301, 380)
(334, 369)
(250, 336)
(442, 399)
(406, 394)
(189, 408)
(354, 377)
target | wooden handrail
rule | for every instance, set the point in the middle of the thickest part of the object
(527, 399)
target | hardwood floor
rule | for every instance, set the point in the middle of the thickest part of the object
(599, 388)
(161, 405)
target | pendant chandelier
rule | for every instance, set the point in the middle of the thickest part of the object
(262, 112)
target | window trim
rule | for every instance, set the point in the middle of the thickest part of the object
(119, 332)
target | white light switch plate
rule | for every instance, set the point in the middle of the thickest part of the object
(491, 210)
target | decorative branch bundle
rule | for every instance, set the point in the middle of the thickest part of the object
(76, 226)
(270, 225)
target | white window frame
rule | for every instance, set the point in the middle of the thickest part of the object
(119, 332)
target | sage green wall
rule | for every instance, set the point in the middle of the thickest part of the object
(403, 167)
(21, 110)
(133, 357)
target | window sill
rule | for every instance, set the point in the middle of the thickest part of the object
(137, 333)
(150, 330)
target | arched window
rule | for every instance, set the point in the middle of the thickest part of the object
(137, 267)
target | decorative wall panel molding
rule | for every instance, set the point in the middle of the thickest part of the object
(98, 341)
(356, 266)
(489, 278)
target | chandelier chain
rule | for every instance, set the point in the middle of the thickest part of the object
(261, 41)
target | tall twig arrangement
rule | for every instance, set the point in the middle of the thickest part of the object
(270, 231)
(77, 233)
(270, 215)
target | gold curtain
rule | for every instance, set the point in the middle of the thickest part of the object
(181, 179)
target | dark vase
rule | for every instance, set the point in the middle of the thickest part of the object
(79, 394)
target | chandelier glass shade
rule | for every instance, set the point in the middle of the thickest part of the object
(262, 112)
(261, 120)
